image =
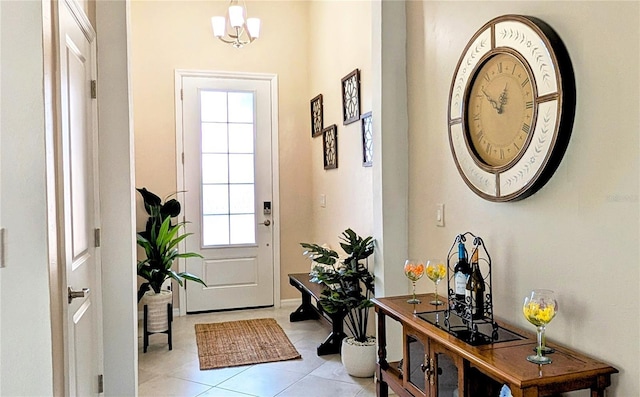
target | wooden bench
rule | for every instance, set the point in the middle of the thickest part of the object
(309, 311)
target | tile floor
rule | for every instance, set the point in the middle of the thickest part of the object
(176, 373)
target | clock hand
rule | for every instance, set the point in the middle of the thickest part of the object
(493, 103)
(503, 98)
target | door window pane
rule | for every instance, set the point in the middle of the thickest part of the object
(215, 168)
(228, 174)
(241, 197)
(215, 229)
(243, 229)
(241, 107)
(214, 138)
(240, 138)
(241, 168)
(215, 199)
(213, 106)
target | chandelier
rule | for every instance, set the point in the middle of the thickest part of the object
(236, 29)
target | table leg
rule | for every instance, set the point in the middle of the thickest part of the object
(305, 311)
(170, 316)
(145, 337)
(333, 343)
(382, 388)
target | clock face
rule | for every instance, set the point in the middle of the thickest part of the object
(511, 108)
(500, 109)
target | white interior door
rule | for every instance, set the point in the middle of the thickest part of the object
(78, 206)
(228, 184)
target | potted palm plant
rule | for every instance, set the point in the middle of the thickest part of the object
(348, 288)
(160, 241)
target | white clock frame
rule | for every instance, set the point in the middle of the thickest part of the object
(554, 108)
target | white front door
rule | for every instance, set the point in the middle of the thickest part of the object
(78, 207)
(228, 190)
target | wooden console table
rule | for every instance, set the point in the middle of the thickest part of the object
(307, 311)
(429, 352)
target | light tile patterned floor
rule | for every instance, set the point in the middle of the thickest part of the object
(176, 373)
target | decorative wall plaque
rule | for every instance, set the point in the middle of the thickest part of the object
(316, 116)
(330, 146)
(351, 97)
(367, 140)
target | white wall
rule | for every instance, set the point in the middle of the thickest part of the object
(1, 248)
(117, 202)
(390, 193)
(25, 308)
(24, 292)
(340, 37)
(579, 234)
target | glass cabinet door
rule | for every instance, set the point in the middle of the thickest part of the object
(415, 356)
(445, 376)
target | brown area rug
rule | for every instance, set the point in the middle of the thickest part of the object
(244, 342)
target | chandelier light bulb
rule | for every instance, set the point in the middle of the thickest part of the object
(253, 26)
(236, 17)
(217, 23)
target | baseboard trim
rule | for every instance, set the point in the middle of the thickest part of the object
(290, 302)
(294, 302)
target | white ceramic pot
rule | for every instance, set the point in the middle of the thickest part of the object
(359, 359)
(157, 315)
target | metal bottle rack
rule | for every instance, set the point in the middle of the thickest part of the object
(459, 318)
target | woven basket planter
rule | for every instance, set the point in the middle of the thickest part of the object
(157, 315)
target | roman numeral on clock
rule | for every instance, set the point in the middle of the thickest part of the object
(526, 128)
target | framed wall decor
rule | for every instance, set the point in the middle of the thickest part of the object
(367, 139)
(351, 97)
(316, 116)
(330, 147)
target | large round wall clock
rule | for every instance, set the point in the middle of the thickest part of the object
(511, 108)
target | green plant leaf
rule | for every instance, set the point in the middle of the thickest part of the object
(160, 242)
(192, 277)
(349, 285)
(150, 200)
(144, 287)
(170, 209)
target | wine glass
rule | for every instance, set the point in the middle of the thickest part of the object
(539, 308)
(414, 270)
(436, 271)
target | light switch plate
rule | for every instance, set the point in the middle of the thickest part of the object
(440, 215)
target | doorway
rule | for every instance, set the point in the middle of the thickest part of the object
(227, 171)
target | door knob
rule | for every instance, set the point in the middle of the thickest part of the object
(266, 222)
(77, 294)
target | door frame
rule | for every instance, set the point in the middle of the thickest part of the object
(275, 163)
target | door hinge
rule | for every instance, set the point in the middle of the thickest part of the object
(181, 94)
(96, 236)
(100, 383)
(94, 89)
(2, 247)
(182, 158)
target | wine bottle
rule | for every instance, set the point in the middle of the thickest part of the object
(462, 271)
(475, 287)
